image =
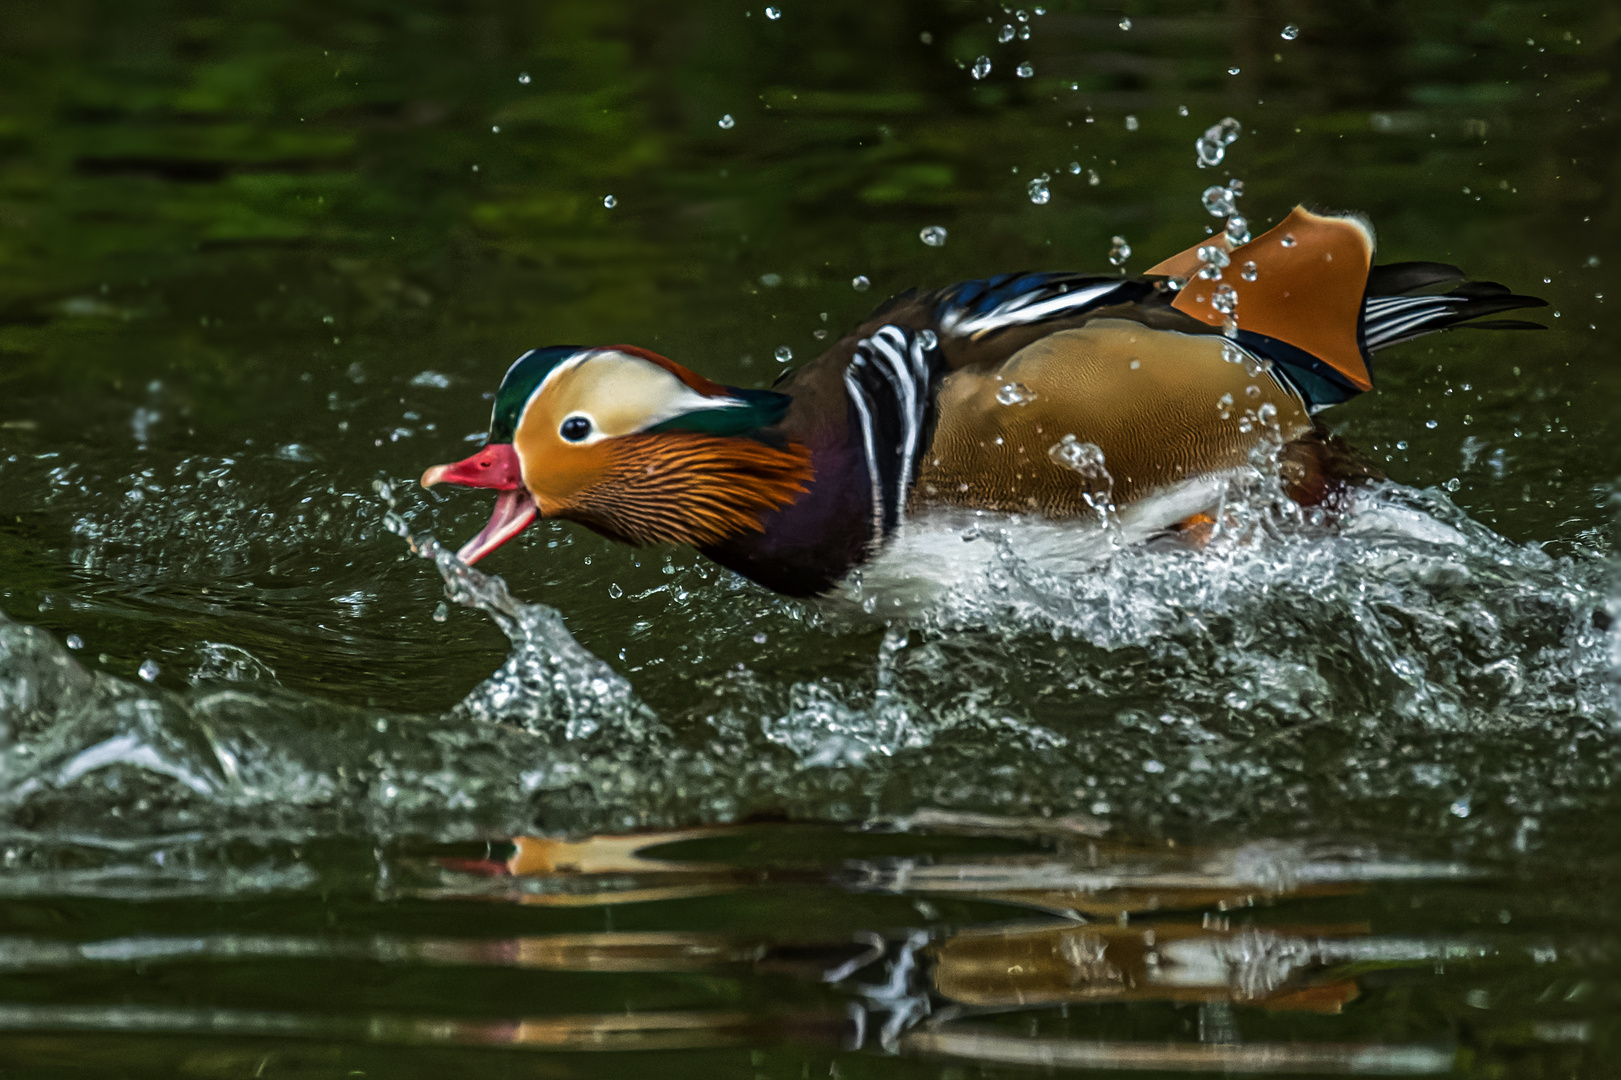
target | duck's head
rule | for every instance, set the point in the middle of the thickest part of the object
(632, 445)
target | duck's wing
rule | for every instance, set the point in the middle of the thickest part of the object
(1137, 388)
(1107, 412)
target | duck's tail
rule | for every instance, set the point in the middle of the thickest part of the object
(1391, 313)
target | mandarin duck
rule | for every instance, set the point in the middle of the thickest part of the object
(1055, 394)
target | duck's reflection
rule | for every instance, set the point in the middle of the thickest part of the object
(926, 991)
(1046, 965)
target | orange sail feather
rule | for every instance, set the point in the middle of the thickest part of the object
(1310, 274)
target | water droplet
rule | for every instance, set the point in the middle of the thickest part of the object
(1290, 32)
(1218, 200)
(927, 340)
(1288, 240)
(771, 281)
(495, 129)
(1432, 424)
(1238, 231)
(783, 354)
(1249, 272)
(1232, 70)
(1119, 251)
(1015, 394)
(1213, 255)
(1212, 145)
(1460, 809)
(609, 201)
(1092, 178)
(1039, 193)
(932, 235)
(1153, 766)
(1131, 123)
(1024, 70)
(614, 591)
(148, 670)
(1087, 459)
(441, 611)
(726, 122)
(860, 283)
(1453, 485)
(1075, 168)
(1224, 299)
(1181, 110)
(1125, 22)
(981, 68)
(75, 642)
(1252, 391)
(1022, 15)
(1024, 33)
(1005, 34)
(773, 13)
(760, 638)
(523, 78)
(1224, 406)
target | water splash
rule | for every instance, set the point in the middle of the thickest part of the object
(1372, 668)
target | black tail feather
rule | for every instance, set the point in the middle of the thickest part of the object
(1502, 324)
(1398, 279)
(1392, 313)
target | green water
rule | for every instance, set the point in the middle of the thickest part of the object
(1302, 803)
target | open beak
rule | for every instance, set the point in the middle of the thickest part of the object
(496, 466)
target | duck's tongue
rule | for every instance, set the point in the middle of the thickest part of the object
(496, 466)
(514, 509)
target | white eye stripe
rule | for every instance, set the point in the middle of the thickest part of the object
(617, 393)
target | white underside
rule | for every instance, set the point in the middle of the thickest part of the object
(946, 550)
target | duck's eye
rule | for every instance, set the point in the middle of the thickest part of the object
(576, 428)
